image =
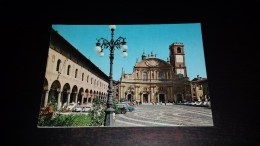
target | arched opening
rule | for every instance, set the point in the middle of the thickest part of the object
(64, 98)
(162, 97)
(145, 98)
(80, 96)
(85, 100)
(73, 95)
(101, 97)
(179, 98)
(130, 97)
(178, 50)
(54, 92)
(94, 93)
(91, 94)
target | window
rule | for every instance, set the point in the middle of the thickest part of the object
(76, 72)
(58, 65)
(91, 80)
(180, 75)
(144, 76)
(178, 50)
(68, 70)
(87, 78)
(161, 75)
(82, 76)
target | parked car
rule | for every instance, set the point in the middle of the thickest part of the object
(71, 106)
(86, 108)
(122, 108)
(82, 108)
(77, 108)
(128, 106)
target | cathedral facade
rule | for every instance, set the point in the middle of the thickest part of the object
(154, 80)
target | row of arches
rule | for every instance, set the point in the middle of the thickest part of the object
(68, 94)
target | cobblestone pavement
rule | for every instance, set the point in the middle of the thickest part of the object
(164, 116)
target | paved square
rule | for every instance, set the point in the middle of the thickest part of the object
(165, 115)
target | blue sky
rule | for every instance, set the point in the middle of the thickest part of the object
(139, 38)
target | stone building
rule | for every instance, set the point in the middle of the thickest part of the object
(70, 76)
(199, 89)
(154, 80)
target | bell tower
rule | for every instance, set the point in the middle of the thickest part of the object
(177, 58)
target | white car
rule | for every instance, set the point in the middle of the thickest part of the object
(82, 108)
(71, 106)
(86, 108)
(77, 108)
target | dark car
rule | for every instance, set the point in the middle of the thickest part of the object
(122, 108)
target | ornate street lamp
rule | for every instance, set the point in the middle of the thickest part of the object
(112, 45)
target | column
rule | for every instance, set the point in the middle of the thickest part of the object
(158, 98)
(91, 99)
(46, 98)
(168, 93)
(123, 93)
(172, 96)
(135, 98)
(59, 100)
(76, 98)
(68, 99)
(137, 92)
(87, 98)
(82, 99)
(149, 97)
(142, 98)
(151, 94)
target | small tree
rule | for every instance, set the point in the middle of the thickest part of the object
(97, 114)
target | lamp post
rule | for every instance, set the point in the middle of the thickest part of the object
(101, 44)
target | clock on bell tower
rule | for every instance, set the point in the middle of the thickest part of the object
(177, 58)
